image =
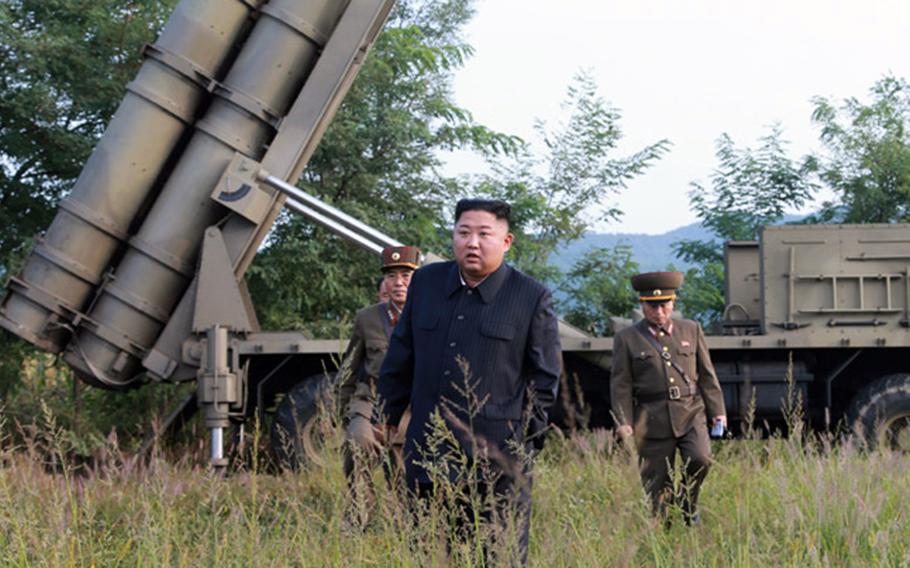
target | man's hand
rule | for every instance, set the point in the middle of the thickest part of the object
(624, 431)
(384, 433)
(626, 439)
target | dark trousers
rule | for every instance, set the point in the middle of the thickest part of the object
(657, 459)
(512, 501)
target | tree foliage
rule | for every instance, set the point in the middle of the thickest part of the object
(557, 195)
(702, 296)
(867, 159)
(63, 68)
(750, 188)
(597, 287)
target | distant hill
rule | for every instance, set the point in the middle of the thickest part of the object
(651, 252)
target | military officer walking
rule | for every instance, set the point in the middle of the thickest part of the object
(373, 326)
(662, 385)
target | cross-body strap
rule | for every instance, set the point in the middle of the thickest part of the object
(665, 355)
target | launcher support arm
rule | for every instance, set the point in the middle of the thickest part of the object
(328, 216)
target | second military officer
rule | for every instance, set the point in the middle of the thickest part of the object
(662, 385)
(357, 390)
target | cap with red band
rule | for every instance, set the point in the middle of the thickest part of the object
(400, 257)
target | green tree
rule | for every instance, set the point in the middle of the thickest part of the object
(63, 68)
(749, 188)
(557, 195)
(380, 162)
(597, 287)
(702, 296)
(867, 160)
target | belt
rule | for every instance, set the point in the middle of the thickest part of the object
(672, 393)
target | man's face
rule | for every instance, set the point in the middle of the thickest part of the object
(657, 313)
(480, 241)
(383, 293)
(396, 282)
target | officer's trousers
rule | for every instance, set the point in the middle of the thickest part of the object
(657, 461)
(362, 453)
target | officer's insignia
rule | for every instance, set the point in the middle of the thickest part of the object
(396, 255)
(657, 293)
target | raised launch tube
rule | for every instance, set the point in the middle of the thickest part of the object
(138, 299)
(94, 221)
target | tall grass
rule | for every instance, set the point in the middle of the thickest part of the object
(802, 501)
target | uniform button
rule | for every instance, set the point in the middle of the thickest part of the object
(661, 334)
(452, 344)
(666, 348)
(668, 363)
(671, 379)
(470, 292)
(460, 317)
(447, 373)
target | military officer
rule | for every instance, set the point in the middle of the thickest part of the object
(357, 390)
(662, 385)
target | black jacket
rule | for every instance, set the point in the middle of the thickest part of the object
(505, 330)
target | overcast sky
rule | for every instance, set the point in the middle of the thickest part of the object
(686, 70)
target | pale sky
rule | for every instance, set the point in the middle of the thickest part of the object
(686, 70)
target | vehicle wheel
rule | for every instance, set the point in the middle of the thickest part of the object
(303, 423)
(880, 413)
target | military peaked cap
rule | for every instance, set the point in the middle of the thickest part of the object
(400, 257)
(657, 286)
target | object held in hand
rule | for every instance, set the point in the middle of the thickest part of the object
(717, 430)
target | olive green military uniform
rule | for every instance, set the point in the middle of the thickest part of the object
(366, 350)
(662, 384)
(369, 342)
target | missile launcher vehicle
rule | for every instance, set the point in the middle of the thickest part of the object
(140, 275)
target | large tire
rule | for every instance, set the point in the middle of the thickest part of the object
(303, 422)
(880, 413)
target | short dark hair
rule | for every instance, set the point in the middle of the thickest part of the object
(379, 282)
(497, 207)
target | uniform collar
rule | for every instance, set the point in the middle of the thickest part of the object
(647, 327)
(668, 329)
(391, 308)
(487, 289)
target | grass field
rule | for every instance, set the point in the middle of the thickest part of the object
(766, 503)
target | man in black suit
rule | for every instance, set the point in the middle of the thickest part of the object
(480, 315)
